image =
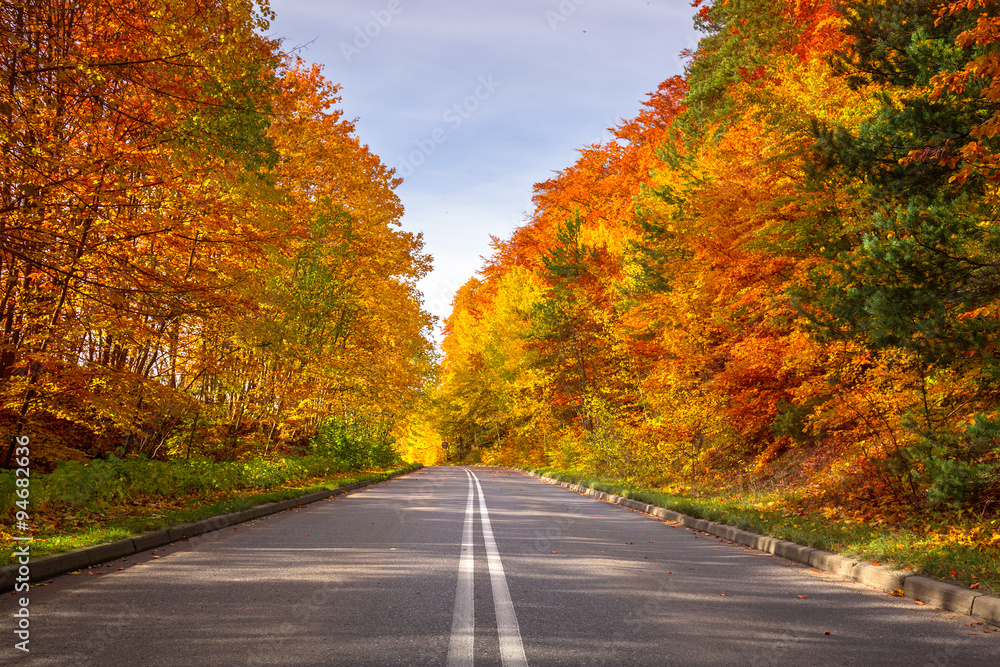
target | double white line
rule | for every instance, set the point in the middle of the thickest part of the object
(463, 626)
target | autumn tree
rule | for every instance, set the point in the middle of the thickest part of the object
(195, 248)
(918, 272)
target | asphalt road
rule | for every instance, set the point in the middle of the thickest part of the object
(414, 571)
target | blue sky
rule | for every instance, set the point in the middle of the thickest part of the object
(475, 102)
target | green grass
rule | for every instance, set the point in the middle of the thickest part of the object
(942, 547)
(119, 521)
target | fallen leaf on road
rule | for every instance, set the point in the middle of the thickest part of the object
(918, 602)
(826, 633)
(875, 563)
(975, 585)
(723, 593)
(803, 597)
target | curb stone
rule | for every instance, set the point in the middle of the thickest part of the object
(180, 532)
(52, 565)
(830, 562)
(8, 579)
(793, 551)
(105, 552)
(987, 607)
(880, 577)
(930, 591)
(722, 530)
(150, 540)
(941, 595)
(697, 524)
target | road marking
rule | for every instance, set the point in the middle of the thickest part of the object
(511, 649)
(463, 624)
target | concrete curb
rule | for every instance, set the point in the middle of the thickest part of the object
(881, 578)
(945, 596)
(899, 582)
(47, 567)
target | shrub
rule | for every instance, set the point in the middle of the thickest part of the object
(355, 444)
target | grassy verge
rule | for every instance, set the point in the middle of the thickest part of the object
(59, 529)
(954, 547)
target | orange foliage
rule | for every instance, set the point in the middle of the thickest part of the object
(164, 239)
(668, 323)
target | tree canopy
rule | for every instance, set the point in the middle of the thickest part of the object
(784, 268)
